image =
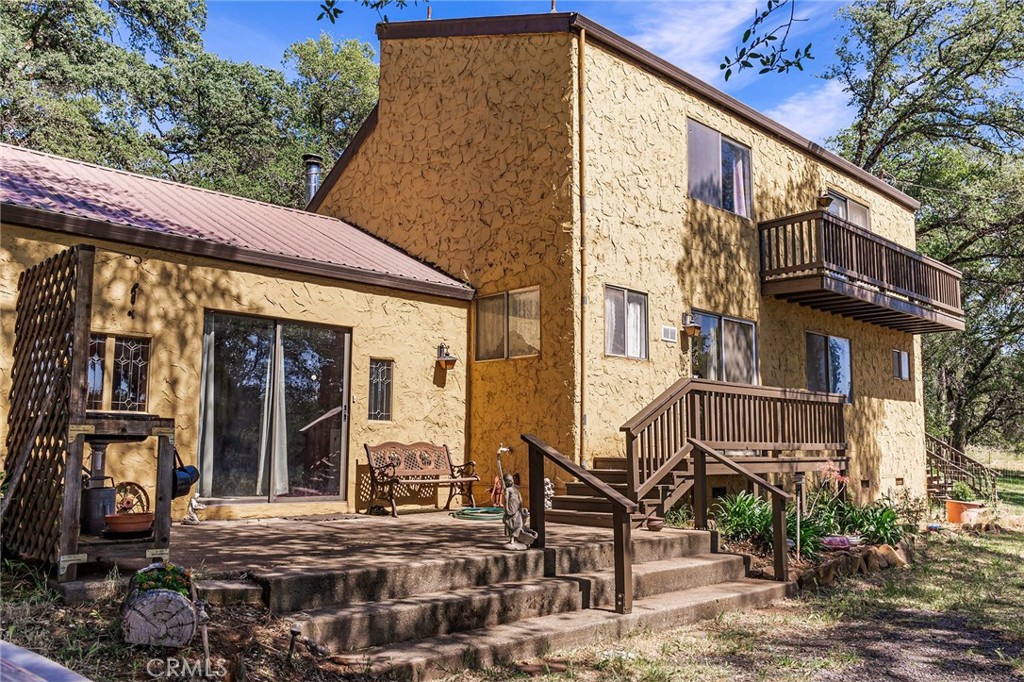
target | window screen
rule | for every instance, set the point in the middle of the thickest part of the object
(380, 389)
(901, 365)
(523, 323)
(704, 149)
(490, 327)
(738, 351)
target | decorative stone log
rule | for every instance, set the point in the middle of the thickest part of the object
(158, 618)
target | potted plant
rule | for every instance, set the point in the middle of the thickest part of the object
(131, 510)
(961, 500)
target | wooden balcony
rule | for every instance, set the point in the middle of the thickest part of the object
(824, 262)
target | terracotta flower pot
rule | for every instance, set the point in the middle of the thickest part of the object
(956, 508)
(654, 523)
(129, 523)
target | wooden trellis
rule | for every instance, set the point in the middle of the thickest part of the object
(49, 426)
(51, 339)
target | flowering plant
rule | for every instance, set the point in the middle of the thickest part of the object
(165, 577)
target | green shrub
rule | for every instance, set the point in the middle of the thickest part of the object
(744, 517)
(963, 492)
(877, 524)
(811, 532)
(679, 516)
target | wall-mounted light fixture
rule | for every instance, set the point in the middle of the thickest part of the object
(824, 199)
(690, 326)
(445, 359)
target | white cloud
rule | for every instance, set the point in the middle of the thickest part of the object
(693, 35)
(815, 114)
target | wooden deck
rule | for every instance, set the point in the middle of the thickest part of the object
(821, 261)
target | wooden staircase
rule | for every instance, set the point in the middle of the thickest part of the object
(947, 465)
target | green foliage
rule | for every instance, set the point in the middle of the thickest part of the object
(129, 85)
(962, 492)
(877, 523)
(744, 517)
(679, 516)
(768, 47)
(168, 577)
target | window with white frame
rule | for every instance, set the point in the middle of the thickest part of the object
(901, 365)
(725, 350)
(508, 324)
(625, 323)
(849, 210)
(117, 373)
(719, 169)
(828, 364)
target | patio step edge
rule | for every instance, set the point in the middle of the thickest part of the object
(487, 647)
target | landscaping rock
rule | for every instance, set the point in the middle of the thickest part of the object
(906, 546)
(873, 561)
(891, 556)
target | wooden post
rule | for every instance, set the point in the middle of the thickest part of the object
(623, 560)
(536, 468)
(72, 510)
(700, 489)
(164, 482)
(779, 538)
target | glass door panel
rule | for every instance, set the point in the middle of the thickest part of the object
(314, 403)
(236, 382)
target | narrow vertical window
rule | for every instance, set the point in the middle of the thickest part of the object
(94, 372)
(130, 374)
(380, 389)
(625, 318)
(901, 365)
(490, 327)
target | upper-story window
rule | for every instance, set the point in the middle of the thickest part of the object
(828, 364)
(719, 169)
(508, 324)
(849, 210)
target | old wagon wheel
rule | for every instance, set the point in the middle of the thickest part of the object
(130, 497)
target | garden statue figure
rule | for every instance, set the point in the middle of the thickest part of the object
(549, 492)
(520, 537)
(194, 505)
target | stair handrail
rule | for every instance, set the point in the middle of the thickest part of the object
(780, 548)
(622, 507)
(969, 468)
(656, 435)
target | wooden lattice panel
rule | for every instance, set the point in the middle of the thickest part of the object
(51, 336)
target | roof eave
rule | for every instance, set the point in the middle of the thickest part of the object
(125, 234)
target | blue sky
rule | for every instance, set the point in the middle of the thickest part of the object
(693, 35)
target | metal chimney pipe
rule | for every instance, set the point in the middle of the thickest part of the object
(314, 165)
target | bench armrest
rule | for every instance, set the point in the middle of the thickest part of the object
(384, 470)
(464, 470)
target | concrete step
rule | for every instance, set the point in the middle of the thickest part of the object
(486, 647)
(398, 620)
(428, 615)
(287, 590)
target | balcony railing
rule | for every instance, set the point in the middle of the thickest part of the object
(825, 262)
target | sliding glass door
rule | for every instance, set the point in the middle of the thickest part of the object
(273, 409)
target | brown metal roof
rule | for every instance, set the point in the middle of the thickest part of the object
(54, 193)
(572, 21)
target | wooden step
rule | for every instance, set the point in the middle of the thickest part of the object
(609, 463)
(610, 475)
(581, 503)
(579, 518)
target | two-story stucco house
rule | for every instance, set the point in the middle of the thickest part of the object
(625, 225)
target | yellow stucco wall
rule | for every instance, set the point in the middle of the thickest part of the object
(470, 167)
(645, 233)
(176, 291)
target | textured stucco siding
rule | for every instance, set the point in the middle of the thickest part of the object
(645, 233)
(471, 167)
(174, 294)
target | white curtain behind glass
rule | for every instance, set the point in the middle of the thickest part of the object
(636, 325)
(614, 321)
(490, 327)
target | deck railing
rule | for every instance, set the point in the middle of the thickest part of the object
(726, 416)
(802, 244)
(948, 465)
